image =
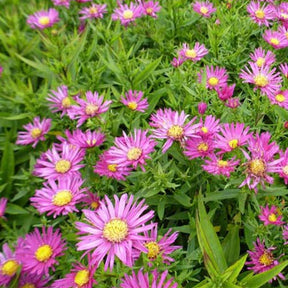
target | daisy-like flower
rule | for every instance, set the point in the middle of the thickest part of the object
(280, 98)
(60, 101)
(267, 81)
(35, 132)
(38, 253)
(275, 38)
(87, 139)
(59, 198)
(202, 107)
(8, 265)
(216, 78)
(127, 14)
(171, 126)
(32, 281)
(92, 107)
(233, 135)
(141, 280)
(261, 161)
(92, 200)
(194, 54)
(204, 8)
(3, 204)
(282, 13)
(56, 164)
(80, 277)
(106, 167)
(262, 15)
(65, 3)
(94, 11)
(284, 69)
(209, 127)
(199, 147)
(115, 230)
(283, 173)
(284, 30)
(226, 92)
(132, 150)
(271, 216)
(134, 101)
(218, 166)
(261, 58)
(262, 259)
(150, 8)
(43, 19)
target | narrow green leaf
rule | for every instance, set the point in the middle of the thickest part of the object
(15, 209)
(231, 245)
(232, 272)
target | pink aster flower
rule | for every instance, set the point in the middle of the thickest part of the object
(262, 259)
(65, 3)
(275, 38)
(141, 280)
(284, 69)
(176, 62)
(87, 139)
(261, 58)
(194, 54)
(82, 1)
(3, 203)
(80, 277)
(9, 265)
(204, 8)
(35, 132)
(284, 30)
(60, 101)
(43, 19)
(150, 8)
(127, 14)
(226, 92)
(285, 234)
(56, 164)
(232, 103)
(218, 166)
(282, 13)
(262, 15)
(171, 126)
(267, 81)
(134, 101)
(280, 98)
(92, 200)
(115, 230)
(59, 198)
(283, 173)
(32, 281)
(209, 127)
(38, 253)
(132, 150)
(202, 106)
(233, 135)
(216, 78)
(199, 148)
(92, 107)
(94, 11)
(271, 216)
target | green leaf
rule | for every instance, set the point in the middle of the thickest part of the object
(231, 245)
(15, 209)
(161, 208)
(232, 272)
(17, 117)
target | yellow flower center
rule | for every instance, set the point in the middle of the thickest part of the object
(285, 170)
(261, 80)
(222, 163)
(62, 166)
(257, 167)
(44, 20)
(128, 14)
(274, 41)
(204, 129)
(266, 258)
(94, 205)
(43, 253)
(203, 147)
(260, 61)
(280, 98)
(9, 268)
(153, 249)
(260, 14)
(213, 81)
(66, 102)
(28, 285)
(132, 105)
(91, 109)
(81, 277)
(149, 10)
(35, 133)
(272, 217)
(190, 53)
(233, 143)
(62, 198)
(204, 10)
(284, 16)
(175, 132)
(115, 230)
(134, 153)
(93, 10)
(91, 143)
(112, 167)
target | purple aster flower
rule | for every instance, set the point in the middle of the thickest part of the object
(202, 106)
(32, 281)
(134, 101)
(35, 132)
(226, 92)
(204, 8)
(199, 147)
(194, 54)
(38, 253)
(285, 234)
(209, 127)
(282, 13)
(92, 200)
(261, 58)
(43, 19)
(115, 230)
(176, 62)
(150, 8)
(284, 69)
(216, 78)
(94, 11)
(232, 103)
(283, 173)
(3, 203)
(280, 98)
(65, 3)
(271, 216)
(275, 38)
(262, 15)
